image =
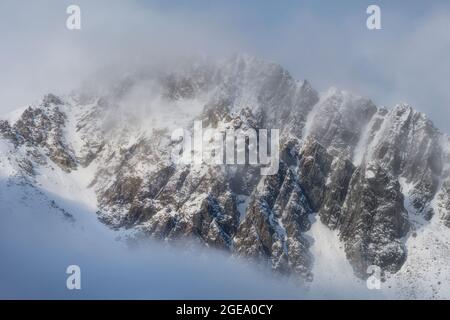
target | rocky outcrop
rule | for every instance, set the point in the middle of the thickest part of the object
(8, 133)
(338, 120)
(444, 202)
(263, 86)
(314, 167)
(43, 127)
(443, 196)
(374, 221)
(336, 190)
(273, 227)
(408, 146)
(197, 205)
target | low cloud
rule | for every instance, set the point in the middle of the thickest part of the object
(37, 244)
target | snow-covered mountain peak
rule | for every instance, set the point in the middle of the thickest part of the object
(368, 173)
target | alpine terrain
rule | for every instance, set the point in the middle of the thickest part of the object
(357, 186)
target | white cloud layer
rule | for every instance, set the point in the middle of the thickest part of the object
(37, 245)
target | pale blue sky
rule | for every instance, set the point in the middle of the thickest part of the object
(326, 42)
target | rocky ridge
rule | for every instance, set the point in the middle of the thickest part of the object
(373, 175)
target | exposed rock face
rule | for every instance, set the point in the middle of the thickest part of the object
(43, 127)
(408, 145)
(337, 186)
(338, 121)
(314, 167)
(374, 221)
(443, 196)
(195, 204)
(7, 132)
(269, 90)
(354, 165)
(275, 220)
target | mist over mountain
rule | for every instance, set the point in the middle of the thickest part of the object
(358, 185)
